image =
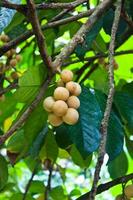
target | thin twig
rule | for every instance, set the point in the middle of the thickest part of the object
(8, 88)
(30, 181)
(23, 8)
(106, 186)
(119, 53)
(33, 18)
(48, 188)
(104, 123)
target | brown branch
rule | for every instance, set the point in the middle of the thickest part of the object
(52, 24)
(8, 88)
(23, 8)
(27, 112)
(33, 18)
(48, 188)
(106, 186)
(79, 36)
(119, 53)
(30, 181)
(105, 120)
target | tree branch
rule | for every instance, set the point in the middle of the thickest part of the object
(23, 8)
(104, 123)
(8, 88)
(106, 186)
(33, 18)
(30, 181)
(52, 24)
(119, 53)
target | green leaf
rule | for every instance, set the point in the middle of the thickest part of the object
(19, 196)
(99, 44)
(62, 136)
(115, 137)
(36, 187)
(77, 158)
(35, 123)
(17, 19)
(85, 134)
(50, 148)
(119, 166)
(128, 88)
(17, 30)
(38, 142)
(14, 145)
(29, 84)
(129, 145)
(129, 7)
(100, 78)
(57, 193)
(81, 49)
(124, 104)
(108, 21)
(3, 172)
(7, 106)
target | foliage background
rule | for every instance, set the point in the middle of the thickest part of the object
(70, 152)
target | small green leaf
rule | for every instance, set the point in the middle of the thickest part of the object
(19, 196)
(50, 148)
(77, 158)
(99, 44)
(29, 84)
(108, 21)
(124, 104)
(81, 49)
(57, 193)
(129, 145)
(119, 166)
(39, 141)
(7, 106)
(3, 172)
(14, 145)
(36, 187)
(62, 136)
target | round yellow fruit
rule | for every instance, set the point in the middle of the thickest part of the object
(13, 62)
(71, 117)
(60, 108)
(61, 93)
(18, 58)
(48, 103)
(54, 120)
(74, 88)
(73, 102)
(129, 191)
(66, 75)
